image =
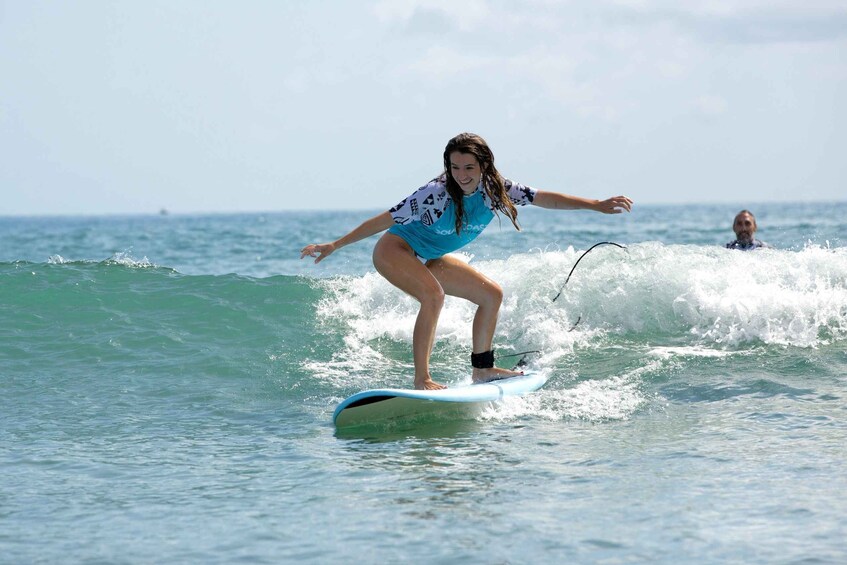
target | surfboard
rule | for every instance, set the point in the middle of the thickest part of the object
(387, 405)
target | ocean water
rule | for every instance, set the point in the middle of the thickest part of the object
(167, 385)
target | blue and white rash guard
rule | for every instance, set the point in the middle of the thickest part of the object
(427, 218)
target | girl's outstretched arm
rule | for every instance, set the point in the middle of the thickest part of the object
(558, 201)
(378, 223)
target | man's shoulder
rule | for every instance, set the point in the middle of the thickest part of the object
(755, 244)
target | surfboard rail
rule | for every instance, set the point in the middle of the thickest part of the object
(390, 404)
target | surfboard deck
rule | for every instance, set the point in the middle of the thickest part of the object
(386, 405)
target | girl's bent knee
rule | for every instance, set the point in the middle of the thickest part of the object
(494, 294)
(433, 299)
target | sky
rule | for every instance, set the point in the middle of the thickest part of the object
(196, 106)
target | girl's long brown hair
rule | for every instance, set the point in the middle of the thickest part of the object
(492, 180)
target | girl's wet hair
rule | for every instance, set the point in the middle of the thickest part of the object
(492, 180)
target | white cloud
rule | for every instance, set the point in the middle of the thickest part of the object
(441, 62)
(710, 105)
(466, 15)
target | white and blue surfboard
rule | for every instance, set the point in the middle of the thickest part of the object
(383, 406)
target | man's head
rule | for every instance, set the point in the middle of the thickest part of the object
(744, 226)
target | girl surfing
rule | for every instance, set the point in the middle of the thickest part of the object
(439, 218)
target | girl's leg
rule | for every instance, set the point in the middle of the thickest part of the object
(396, 261)
(457, 278)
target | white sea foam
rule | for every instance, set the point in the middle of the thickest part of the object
(613, 398)
(123, 258)
(127, 260)
(692, 351)
(708, 297)
(671, 302)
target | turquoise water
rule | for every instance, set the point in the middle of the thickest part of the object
(167, 385)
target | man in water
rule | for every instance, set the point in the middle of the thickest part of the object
(744, 227)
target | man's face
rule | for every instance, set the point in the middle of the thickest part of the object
(744, 227)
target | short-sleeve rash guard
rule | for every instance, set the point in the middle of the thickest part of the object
(427, 218)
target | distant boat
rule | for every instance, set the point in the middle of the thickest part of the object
(163, 212)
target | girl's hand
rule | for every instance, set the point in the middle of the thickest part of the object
(614, 205)
(322, 250)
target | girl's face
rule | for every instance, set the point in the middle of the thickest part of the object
(465, 169)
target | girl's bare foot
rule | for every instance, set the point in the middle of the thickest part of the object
(493, 374)
(428, 384)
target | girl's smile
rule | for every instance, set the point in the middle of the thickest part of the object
(464, 168)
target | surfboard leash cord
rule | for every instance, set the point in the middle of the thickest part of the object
(586, 252)
(522, 360)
